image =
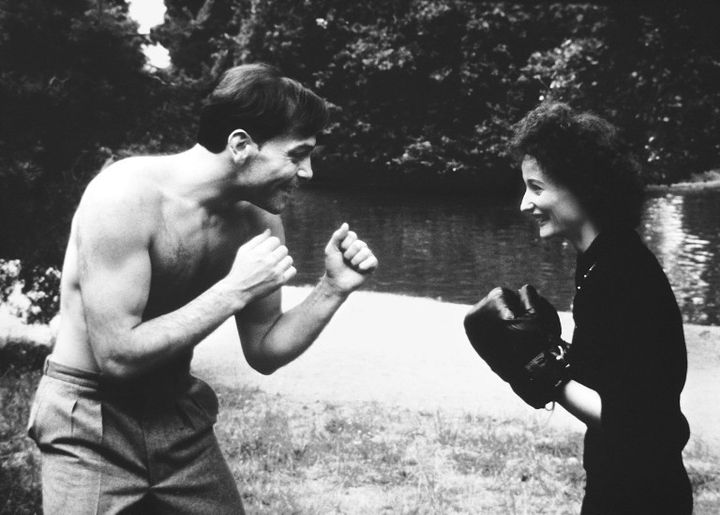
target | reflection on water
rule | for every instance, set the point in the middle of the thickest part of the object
(456, 249)
(682, 230)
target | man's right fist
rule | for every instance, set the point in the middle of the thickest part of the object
(348, 260)
(261, 266)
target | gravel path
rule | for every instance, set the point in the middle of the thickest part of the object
(412, 352)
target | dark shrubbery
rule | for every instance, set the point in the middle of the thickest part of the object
(427, 90)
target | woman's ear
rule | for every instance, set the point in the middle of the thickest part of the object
(241, 145)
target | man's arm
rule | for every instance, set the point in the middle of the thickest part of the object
(272, 339)
(115, 275)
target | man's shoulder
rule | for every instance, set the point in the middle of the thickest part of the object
(136, 178)
(125, 192)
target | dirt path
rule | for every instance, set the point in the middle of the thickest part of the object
(412, 352)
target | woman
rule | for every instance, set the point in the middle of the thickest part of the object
(628, 360)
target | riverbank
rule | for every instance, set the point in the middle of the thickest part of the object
(706, 181)
(684, 187)
(412, 353)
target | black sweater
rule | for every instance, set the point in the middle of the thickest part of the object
(629, 346)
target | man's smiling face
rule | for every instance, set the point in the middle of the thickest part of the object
(276, 170)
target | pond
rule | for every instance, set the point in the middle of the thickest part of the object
(456, 248)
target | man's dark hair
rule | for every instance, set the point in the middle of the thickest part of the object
(260, 100)
(586, 154)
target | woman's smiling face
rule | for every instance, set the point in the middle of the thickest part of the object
(554, 207)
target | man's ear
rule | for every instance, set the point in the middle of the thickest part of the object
(241, 145)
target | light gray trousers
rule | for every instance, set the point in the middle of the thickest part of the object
(136, 448)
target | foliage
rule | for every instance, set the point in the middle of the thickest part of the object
(652, 69)
(428, 89)
(32, 300)
(72, 88)
(424, 92)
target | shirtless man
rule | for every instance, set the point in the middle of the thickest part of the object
(162, 251)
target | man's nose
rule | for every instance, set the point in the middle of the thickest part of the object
(305, 170)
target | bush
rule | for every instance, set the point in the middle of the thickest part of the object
(33, 297)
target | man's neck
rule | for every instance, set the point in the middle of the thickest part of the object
(205, 178)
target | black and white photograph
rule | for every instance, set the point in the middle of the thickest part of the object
(388, 257)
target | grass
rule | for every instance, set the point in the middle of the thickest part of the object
(366, 458)
(363, 458)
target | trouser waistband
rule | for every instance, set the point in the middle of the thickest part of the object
(159, 383)
(71, 374)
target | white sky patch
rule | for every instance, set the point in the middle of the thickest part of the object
(149, 13)
(157, 55)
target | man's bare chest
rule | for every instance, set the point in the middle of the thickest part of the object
(187, 258)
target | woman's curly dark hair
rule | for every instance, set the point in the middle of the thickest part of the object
(584, 153)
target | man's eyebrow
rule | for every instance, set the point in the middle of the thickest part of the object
(302, 149)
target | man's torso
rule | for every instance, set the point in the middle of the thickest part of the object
(189, 248)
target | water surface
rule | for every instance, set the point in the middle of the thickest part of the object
(456, 248)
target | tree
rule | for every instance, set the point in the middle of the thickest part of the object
(426, 91)
(72, 88)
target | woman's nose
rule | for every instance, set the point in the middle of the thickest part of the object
(525, 203)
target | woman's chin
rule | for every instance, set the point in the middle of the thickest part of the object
(545, 232)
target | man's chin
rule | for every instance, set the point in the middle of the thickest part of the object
(277, 205)
(272, 207)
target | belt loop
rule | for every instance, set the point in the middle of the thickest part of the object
(46, 365)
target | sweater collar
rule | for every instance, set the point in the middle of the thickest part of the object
(604, 244)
